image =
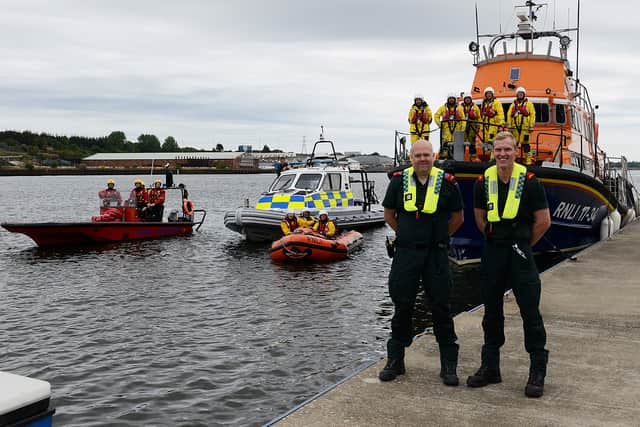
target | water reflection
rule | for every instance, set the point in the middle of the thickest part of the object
(186, 330)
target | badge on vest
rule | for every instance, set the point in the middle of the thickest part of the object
(408, 196)
(489, 206)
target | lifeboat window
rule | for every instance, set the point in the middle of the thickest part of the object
(588, 129)
(308, 181)
(514, 74)
(561, 115)
(542, 112)
(282, 183)
(332, 182)
(505, 108)
(575, 120)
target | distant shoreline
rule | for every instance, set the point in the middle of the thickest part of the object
(133, 171)
(124, 171)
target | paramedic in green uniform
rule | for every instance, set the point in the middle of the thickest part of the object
(510, 208)
(423, 205)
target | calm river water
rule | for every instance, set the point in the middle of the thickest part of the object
(192, 331)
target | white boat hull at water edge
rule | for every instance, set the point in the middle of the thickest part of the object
(263, 225)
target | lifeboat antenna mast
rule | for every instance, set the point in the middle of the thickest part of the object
(578, 43)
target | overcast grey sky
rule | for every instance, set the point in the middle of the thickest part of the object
(270, 72)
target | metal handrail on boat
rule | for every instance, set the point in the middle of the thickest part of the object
(199, 223)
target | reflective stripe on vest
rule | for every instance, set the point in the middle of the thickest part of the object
(516, 184)
(433, 190)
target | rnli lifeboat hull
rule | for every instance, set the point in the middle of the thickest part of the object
(310, 246)
(59, 234)
(577, 204)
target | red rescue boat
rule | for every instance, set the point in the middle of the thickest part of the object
(306, 244)
(114, 224)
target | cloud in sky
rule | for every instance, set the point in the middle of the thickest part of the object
(258, 73)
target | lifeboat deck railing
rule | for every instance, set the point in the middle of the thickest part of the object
(555, 154)
(620, 182)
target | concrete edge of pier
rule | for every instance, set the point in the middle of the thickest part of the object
(591, 309)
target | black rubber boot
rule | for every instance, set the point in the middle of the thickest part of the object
(484, 376)
(535, 384)
(448, 373)
(392, 369)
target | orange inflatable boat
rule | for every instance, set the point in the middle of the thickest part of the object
(306, 244)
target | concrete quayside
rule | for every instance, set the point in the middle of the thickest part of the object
(591, 309)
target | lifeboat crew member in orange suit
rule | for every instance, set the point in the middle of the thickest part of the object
(155, 208)
(110, 196)
(139, 197)
(325, 226)
(289, 222)
(306, 220)
(521, 118)
(492, 115)
(449, 119)
(472, 114)
(419, 119)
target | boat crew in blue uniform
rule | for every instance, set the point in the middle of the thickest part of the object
(417, 206)
(511, 211)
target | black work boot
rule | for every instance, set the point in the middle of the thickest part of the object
(392, 369)
(484, 376)
(535, 384)
(448, 373)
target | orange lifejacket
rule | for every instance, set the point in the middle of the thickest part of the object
(487, 109)
(324, 229)
(470, 112)
(451, 113)
(520, 108)
(156, 196)
(419, 113)
(292, 223)
(142, 197)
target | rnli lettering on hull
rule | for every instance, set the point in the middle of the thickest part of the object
(575, 212)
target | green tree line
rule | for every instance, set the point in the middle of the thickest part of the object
(74, 148)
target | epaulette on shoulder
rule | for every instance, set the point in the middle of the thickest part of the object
(530, 175)
(397, 173)
(450, 177)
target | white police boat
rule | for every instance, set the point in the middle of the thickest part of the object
(322, 183)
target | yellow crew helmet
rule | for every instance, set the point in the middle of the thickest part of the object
(138, 181)
(111, 182)
(157, 181)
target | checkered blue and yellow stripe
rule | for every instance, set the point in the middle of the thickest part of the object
(323, 199)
